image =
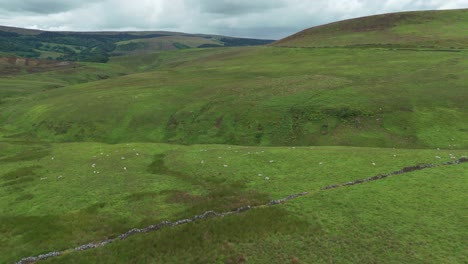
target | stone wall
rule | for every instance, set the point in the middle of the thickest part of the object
(209, 214)
(403, 170)
(155, 227)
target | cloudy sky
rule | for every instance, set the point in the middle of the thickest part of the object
(244, 18)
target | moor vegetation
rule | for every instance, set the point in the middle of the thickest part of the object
(97, 46)
(164, 132)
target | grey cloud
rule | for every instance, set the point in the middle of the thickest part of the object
(257, 32)
(244, 18)
(42, 6)
(236, 7)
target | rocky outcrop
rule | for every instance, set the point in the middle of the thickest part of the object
(15, 65)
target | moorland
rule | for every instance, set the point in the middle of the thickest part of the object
(90, 150)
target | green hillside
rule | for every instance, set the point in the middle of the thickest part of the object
(90, 151)
(426, 29)
(257, 96)
(59, 196)
(99, 46)
(149, 45)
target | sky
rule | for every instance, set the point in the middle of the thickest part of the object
(267, 19)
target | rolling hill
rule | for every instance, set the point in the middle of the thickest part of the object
(419, 29)
(99, 46)
(94, 153)
(253, 96)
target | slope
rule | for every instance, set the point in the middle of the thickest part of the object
(58, 196)
(260, 96)
(429, 29)
(138, 46)
(62, 185)
(99, 46)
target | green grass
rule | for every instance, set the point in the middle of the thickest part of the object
(99, 46)
(151, 45)
(91, 150)
(434, 29)
(42, 211)
(256, 96)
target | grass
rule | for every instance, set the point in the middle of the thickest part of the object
(151, 45)
(430, 29)
(356, 97)
(89, 151)
(171, 182)
(99, 46)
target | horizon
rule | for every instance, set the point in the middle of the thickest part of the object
(202, 33)
(262, 20)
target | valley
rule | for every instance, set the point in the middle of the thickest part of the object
(89, 151)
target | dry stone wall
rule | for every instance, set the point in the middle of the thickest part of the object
(404, 170)
(209, 214)
(156, 227)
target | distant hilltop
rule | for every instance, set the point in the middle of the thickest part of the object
(99, 46)
(431, 29)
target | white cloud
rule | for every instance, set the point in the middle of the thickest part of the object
(260, 18)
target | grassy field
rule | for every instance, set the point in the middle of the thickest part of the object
(89, 151)
(254, 96)
(56, 196)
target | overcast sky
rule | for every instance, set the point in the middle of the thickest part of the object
(243, 18)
